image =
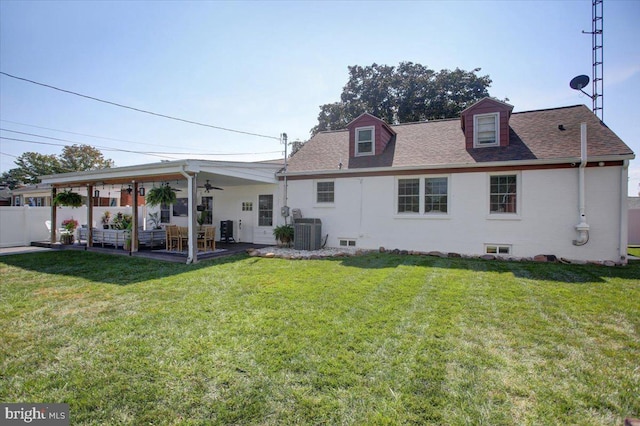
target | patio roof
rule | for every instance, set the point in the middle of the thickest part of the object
(186, 174)
(220, 173)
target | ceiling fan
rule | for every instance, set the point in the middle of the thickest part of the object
(207, 186)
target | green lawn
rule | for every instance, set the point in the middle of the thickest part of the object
(634, 251)
(377, 339)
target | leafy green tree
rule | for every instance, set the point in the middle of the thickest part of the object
(74, 158)
(295, 147)
(402, 94)
(33, 164)
(10, 179)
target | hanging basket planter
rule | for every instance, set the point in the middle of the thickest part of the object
(164, 194)
(68, 198)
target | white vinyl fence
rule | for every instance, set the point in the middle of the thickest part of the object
(634, 227)
(20, 226)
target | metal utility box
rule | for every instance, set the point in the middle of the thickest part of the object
(307, 234)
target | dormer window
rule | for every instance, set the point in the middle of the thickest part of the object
(486, 130)
(365, 137)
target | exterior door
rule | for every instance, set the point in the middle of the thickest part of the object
(263, 233)
(246, 222)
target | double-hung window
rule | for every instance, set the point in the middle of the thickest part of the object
(165, 213)
(436, 195)
(409, 196)
(365, 138)
(423, 195)
(486, 130)
(325, 192)
(265, 210)
(503, 196)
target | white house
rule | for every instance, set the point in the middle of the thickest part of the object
(550, 181)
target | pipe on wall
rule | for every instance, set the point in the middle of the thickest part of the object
(582, 227)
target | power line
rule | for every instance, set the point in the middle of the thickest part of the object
(105, 148)
(8, 155)
(84, 134)
(138, 109)
(122, 140)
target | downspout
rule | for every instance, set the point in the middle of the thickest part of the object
(582, 227)
(286, 187)
(190, 257)
(624, 218)
(54, 215)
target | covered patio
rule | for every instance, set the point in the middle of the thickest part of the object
(226, 249)
(211, 191)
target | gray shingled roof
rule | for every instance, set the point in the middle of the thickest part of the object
(534, 135)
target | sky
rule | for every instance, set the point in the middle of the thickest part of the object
(266, 67)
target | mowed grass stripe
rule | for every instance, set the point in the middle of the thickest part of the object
(337, 331)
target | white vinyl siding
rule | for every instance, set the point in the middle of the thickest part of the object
(366, 209)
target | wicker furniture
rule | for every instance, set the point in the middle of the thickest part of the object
(117, 237)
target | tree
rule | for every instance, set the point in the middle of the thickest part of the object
(402, 94)
(10, 179)
(295, 147)
(33, 164)
(74, 158)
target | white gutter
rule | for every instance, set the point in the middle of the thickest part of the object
(249, 171)
(582, 227)
(624, 218)
(192, 253)
(149, 169)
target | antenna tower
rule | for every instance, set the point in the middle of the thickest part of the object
(597, 57)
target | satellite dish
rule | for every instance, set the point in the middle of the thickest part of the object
(577, 83)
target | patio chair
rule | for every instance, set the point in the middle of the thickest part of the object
(174, 242)
(208, 240)
(183, 232)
